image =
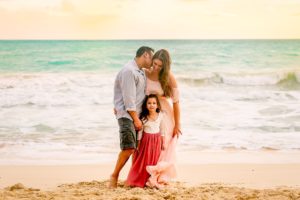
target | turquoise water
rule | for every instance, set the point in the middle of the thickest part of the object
(56, 97)
(54, 56)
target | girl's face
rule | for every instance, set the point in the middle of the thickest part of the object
(157, 65)
(151, 104)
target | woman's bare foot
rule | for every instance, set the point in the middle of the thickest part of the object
(113, 182)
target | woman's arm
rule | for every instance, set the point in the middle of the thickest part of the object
(177, 127)
(176, 107)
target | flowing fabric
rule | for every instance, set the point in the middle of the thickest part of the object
(162, 172)
(148, 154)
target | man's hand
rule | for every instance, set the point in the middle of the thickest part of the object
(138, 124)
(136, 120)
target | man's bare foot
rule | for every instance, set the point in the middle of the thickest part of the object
(113, 182)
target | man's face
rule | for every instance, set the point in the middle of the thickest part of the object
(148, 59)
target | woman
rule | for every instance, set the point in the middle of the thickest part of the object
(160, 81)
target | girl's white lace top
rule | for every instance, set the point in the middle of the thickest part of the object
(152, 127)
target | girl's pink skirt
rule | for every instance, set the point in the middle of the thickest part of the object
(148, 154)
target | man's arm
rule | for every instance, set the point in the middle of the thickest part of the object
(136, 120)
(128, 88)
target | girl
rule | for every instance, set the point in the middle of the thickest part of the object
(150, 142)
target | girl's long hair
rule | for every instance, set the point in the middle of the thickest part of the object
(163, 77)
(145, 111)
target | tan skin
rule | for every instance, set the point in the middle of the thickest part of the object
(153, 75)
(144, 61)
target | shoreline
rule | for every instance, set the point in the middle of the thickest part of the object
(228, 156)
(257, 176)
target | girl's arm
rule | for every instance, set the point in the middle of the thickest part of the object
(139, 138)
(163, 143)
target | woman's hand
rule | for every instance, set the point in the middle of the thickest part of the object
(177, 131)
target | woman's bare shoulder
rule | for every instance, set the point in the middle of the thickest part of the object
(172, 80)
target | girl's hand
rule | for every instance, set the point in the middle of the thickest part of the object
(177, 131)
(136, 152)
(138, 147)
(163, 143)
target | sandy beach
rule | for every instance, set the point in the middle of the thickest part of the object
(195, 181)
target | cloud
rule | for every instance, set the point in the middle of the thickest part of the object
(95, 21)
(286, 2)
(195, 0)
(71, 19)
(64, 20)
(84, 19)
(67, 6)
(220, 14)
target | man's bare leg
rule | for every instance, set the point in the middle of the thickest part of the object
(122, 159)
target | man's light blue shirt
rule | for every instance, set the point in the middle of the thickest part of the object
(129, 90)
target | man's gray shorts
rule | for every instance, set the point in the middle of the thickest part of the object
(127, 133)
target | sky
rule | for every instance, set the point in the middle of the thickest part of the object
(145, 19)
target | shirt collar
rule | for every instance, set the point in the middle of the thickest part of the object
(136, 67)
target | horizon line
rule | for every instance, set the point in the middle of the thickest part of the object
(149, 39)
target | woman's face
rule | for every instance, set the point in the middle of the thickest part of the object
(157, 65)
(152, 104)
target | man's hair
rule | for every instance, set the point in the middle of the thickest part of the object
(142, 50)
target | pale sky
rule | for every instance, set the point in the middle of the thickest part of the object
(145, 19)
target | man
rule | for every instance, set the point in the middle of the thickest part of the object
(129, 93)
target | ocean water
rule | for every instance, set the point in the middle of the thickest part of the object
(56, 97)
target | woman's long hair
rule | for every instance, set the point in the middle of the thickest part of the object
(145, 111)
(163, 77)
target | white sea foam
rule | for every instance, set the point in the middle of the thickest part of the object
(289, 78)
(54, 116)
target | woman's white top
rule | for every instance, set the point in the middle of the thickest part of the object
(152, 126)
